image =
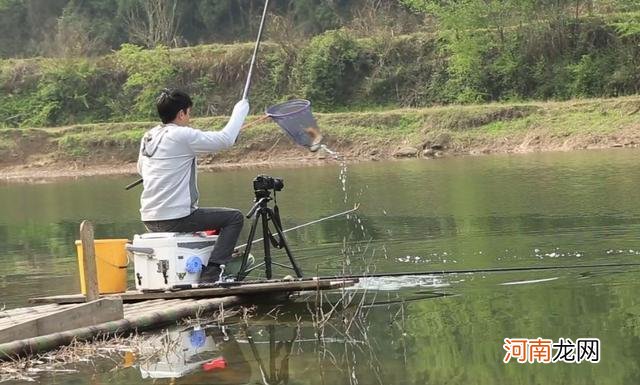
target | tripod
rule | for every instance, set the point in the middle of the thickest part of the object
(262, 213)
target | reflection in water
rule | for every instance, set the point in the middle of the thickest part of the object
(218, 354)
(278, 369)
(178, 352)
(314, 340)
(231, 354)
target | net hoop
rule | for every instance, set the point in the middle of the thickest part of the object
(288, 108)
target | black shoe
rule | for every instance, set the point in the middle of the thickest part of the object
(212, 273)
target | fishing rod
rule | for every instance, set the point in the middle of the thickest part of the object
(134, 184)
(483, 270)
(433, 272)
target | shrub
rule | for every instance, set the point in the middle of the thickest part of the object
(148, 71)
(329, 67)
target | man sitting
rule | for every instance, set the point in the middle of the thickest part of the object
(167, 164)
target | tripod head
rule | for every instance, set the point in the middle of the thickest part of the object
(260, 203)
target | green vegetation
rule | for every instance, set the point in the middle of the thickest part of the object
(510, 54)
(527, 49)
(497, 127)
(336, 71)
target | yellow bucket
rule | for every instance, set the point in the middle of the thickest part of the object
(111, 265)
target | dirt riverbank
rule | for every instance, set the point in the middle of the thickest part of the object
(36, 155)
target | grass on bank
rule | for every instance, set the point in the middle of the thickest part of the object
(354, 133)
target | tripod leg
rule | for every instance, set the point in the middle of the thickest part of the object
(294, 264)
(245, 256)
(266, 242)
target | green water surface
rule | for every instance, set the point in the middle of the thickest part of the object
(556, 209)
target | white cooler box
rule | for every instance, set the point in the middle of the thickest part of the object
(163, 260)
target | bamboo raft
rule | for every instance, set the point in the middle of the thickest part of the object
(244, 289)
(59, 320)
(30, 330)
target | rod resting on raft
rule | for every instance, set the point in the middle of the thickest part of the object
(484, 270)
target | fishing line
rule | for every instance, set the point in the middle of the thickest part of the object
(309, 223)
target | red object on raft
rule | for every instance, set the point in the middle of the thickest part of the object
(215, 364)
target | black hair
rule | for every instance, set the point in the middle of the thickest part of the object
(170, 102)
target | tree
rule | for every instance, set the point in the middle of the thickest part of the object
(154, 22)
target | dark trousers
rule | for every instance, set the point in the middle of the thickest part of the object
(228, 221)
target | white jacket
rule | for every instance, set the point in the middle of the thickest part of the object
(167, 164)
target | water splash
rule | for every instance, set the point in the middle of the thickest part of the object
(342, 176)
(360, 245)
(401, 282)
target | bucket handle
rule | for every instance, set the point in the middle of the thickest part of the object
(113, 264)
(129, 248)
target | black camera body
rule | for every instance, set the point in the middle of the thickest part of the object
(266, 183)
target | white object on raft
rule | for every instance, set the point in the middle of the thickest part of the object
(163, 260)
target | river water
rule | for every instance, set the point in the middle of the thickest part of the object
(553, 209)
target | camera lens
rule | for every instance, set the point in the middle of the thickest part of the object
(278, 184)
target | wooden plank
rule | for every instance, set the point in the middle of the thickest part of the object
(22, 318)
(26, 316)
(26, 310)
(140, 322)
(244, 289)
(154, 305)
(89, 261)
(86, 314)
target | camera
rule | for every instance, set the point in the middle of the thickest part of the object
(264, 182)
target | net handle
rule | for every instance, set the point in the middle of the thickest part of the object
(255, 51)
